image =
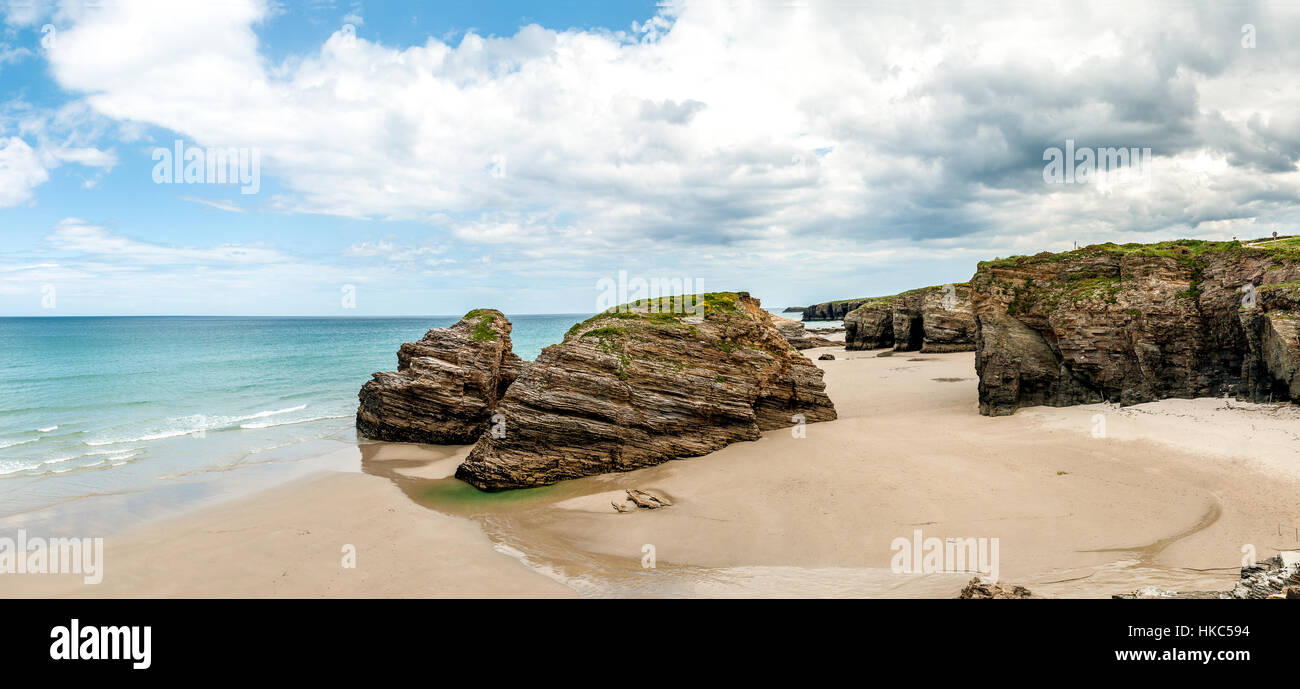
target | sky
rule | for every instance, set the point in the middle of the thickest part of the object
(419, 158)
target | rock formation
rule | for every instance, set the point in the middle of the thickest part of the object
(1137, 323)
(978, 589)
(446, 385)
(930, 319)
(831, 310)
(798, 336)
(640, 499)
(870, 326)
(1276, 577)
(634, 388)
(793, 309)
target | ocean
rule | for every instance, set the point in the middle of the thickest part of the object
(119, 406)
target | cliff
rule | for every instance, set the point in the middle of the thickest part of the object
(798, 336)
(632, 388)
(930, 319)
(831, 310)
(446, 386)
(1137, 322)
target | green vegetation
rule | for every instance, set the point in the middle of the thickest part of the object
(1102, 283)
(602, 333)
(1187, 252)
(483, 329)
(668, 311)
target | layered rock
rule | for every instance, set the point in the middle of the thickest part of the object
(1276, 577)
(631, 389)
(1135, 323)
(831, 310)
(979, 589)
(947, 319)
(930, 319)
(798, 336)
(870, 326)
(1271, 368)
(446, 386)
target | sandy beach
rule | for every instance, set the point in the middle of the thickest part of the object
(1166, 494)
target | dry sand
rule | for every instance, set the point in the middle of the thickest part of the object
(1168, 497)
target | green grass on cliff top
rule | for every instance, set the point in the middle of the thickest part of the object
(483, 329)
(665, 310)
(1186, 251)
(891, 297)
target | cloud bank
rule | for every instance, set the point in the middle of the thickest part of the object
(735, 141)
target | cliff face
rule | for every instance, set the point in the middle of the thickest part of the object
(931, 319)
(632, 389)
(831, 310)
(1136, 323)
(446, 385)
(798, 336)
(870, 326)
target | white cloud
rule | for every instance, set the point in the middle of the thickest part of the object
(76, 236)
(773, 136)
(21, 172)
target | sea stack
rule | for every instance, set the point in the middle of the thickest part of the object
(1136, 323)
(639, 386)
(446, 386)
(930, 319)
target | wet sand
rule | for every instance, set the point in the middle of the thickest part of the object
(1167, 495)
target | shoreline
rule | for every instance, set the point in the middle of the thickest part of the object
(1174, 487)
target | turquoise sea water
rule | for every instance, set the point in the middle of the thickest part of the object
(90, 406)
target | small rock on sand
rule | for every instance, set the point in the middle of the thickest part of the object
(642, 499)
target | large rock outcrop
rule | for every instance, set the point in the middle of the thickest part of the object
(798, 336)
(1271, 368)
(870, 326)
(831, 310)
(1136, 323)
(930, 319)
(631, 388)
(446, 386)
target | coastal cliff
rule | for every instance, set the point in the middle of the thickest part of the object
(930, 319)
(1138, 322)
(831, 310)
(634, 388)
(446, 385)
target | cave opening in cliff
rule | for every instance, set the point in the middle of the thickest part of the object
(1279, 391)
(915, 333)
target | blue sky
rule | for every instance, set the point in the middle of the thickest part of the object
(429, 158)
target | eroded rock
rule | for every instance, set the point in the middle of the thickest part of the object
(635, 388)
(640, 499)
(446, 385)
(930, 319)
(1273, 578)
(1136, 323)
(980, 589)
